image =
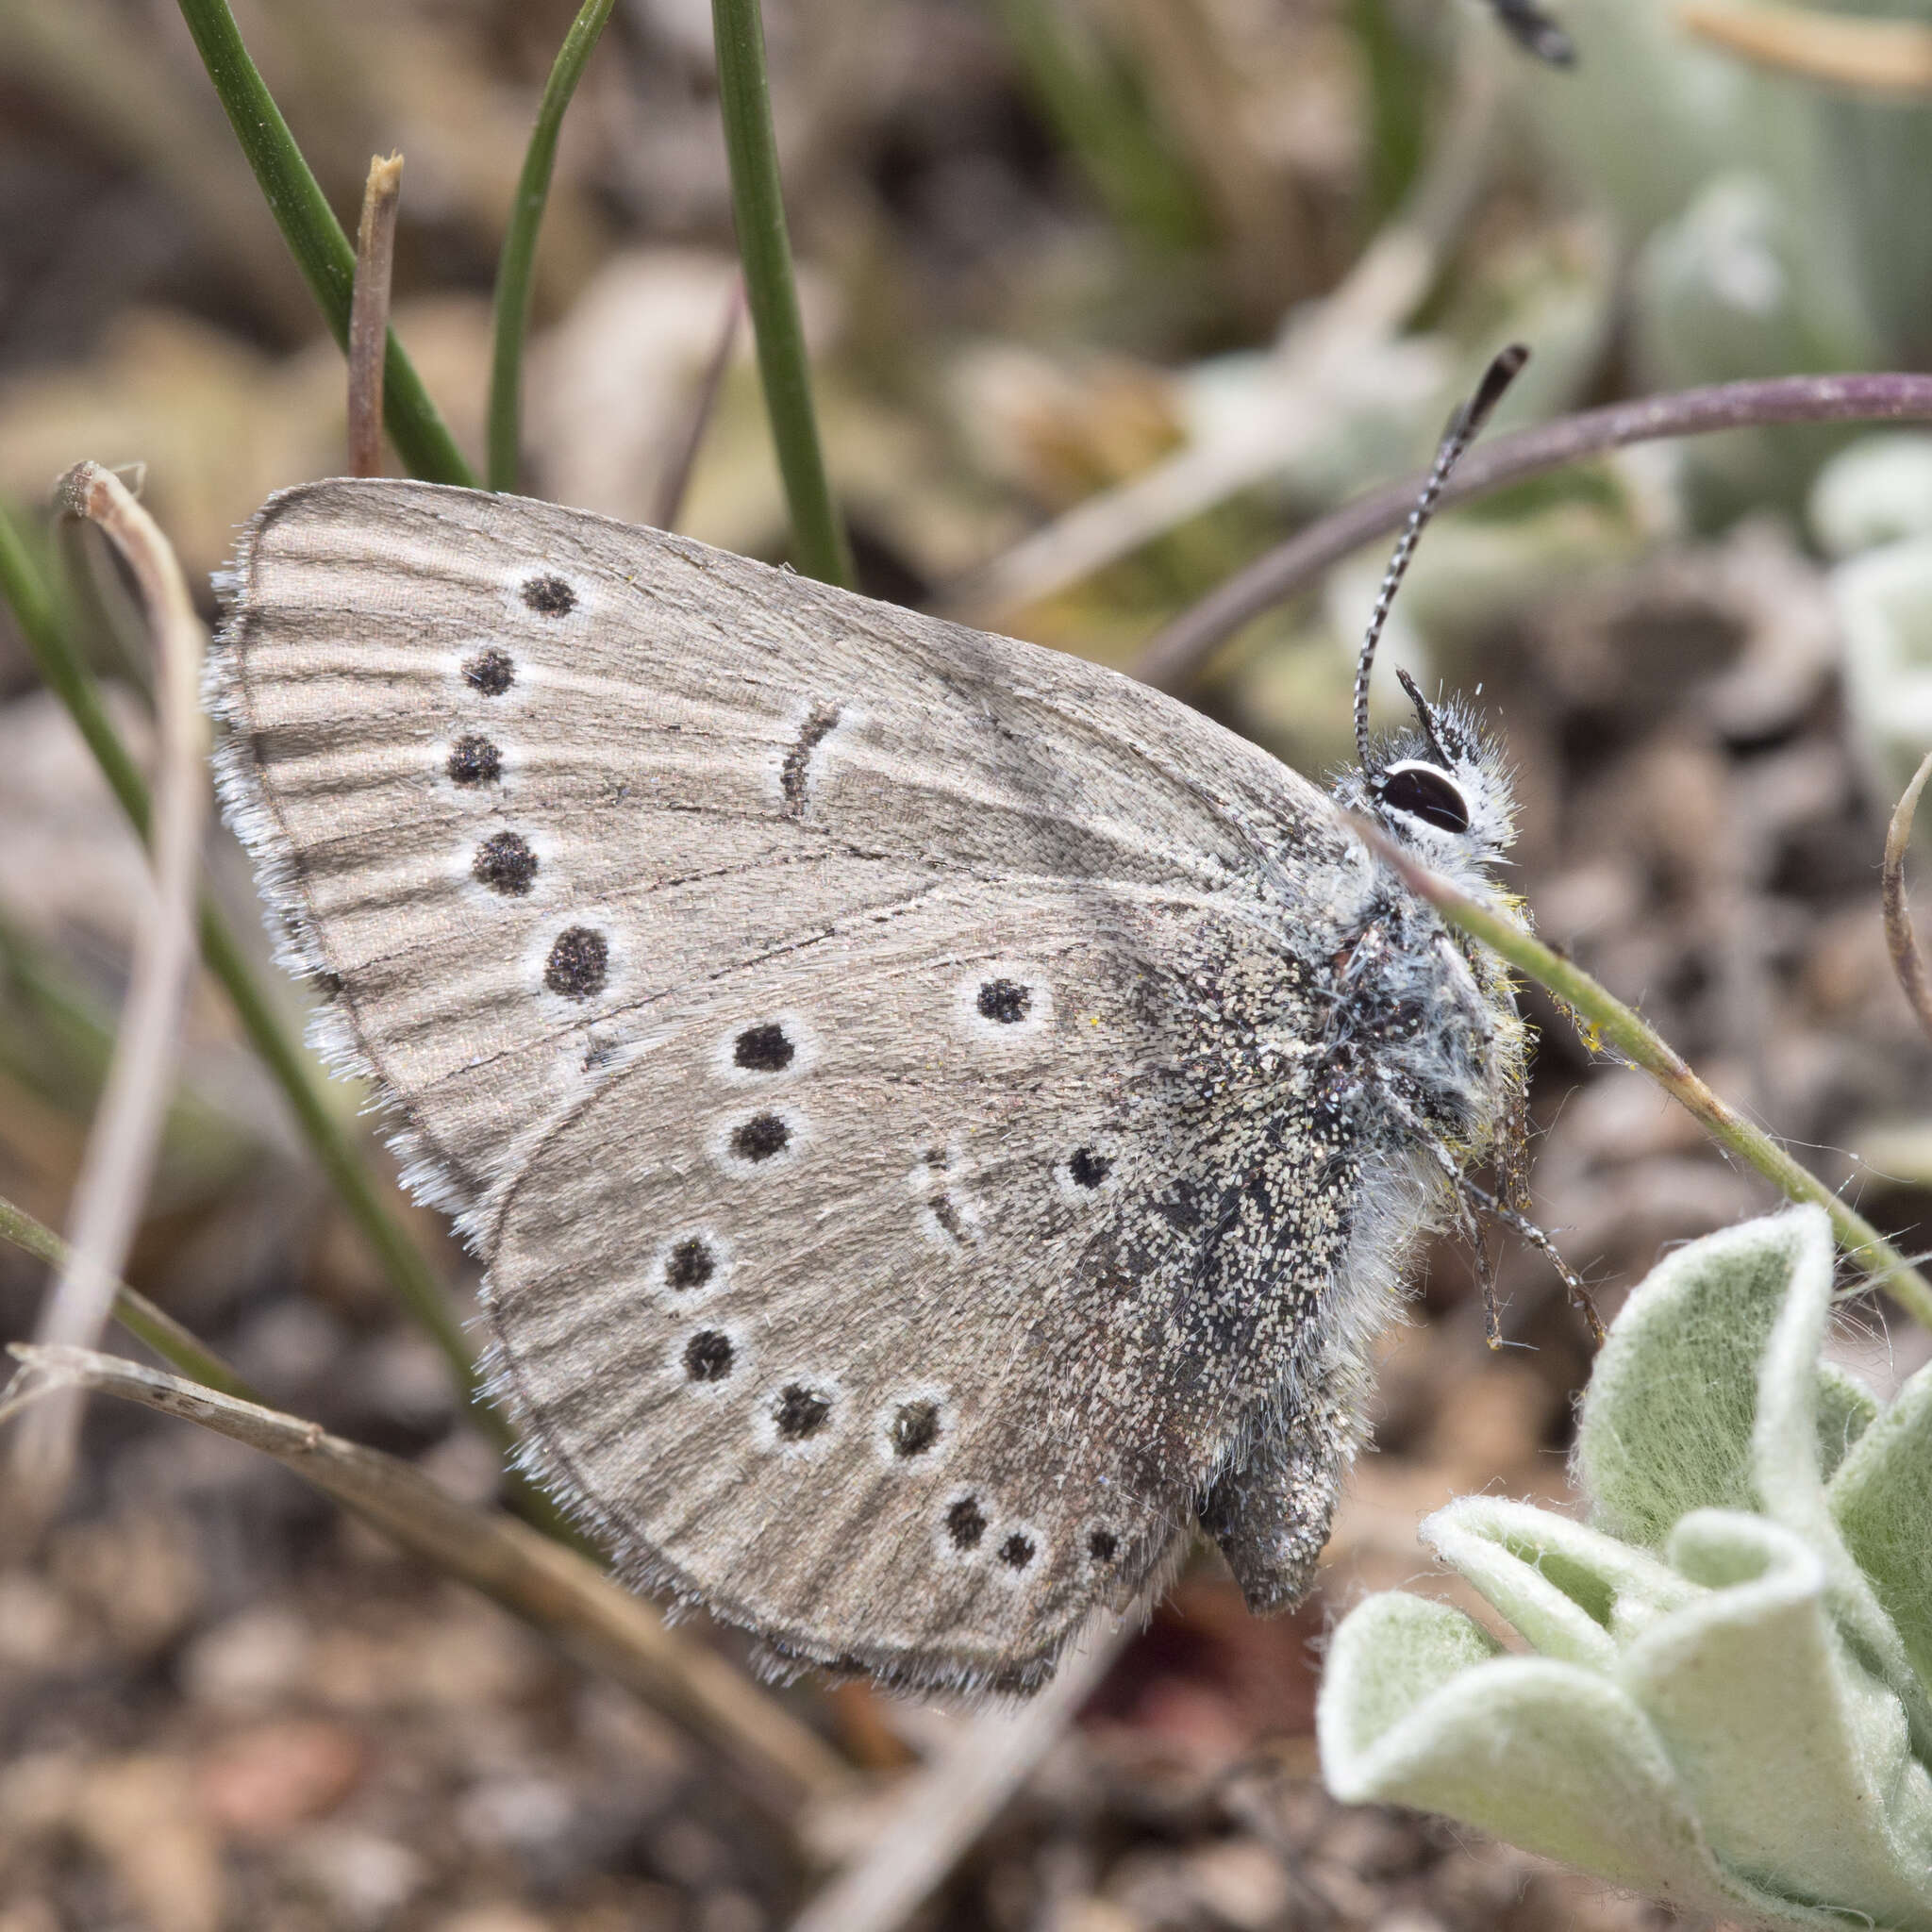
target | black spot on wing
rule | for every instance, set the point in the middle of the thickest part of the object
(474, 760)
(1005, 1000)
(549, 596)
(579, 964)
(915, 1428)
(690, 1265)
(762, 1049)
(491, 671)
(506, 864)
(965, 1523)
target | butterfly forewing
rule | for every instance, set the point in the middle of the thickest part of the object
(859, 1047)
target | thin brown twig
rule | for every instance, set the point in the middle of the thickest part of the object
(1906, 960)
(675, 482)
(115, 1171)
(376, 241)
(1175, 654)
(594, 1619)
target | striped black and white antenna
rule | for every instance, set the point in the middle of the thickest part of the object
(1533, 30)
(1461, 432)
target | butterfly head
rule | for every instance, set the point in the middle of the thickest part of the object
(1441, 790)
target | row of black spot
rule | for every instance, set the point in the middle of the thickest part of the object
(578, 966)
(578, 963)
(966, 1527)
(799, 1412)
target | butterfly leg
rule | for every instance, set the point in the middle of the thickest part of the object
(1581, 1297)
(1270, 1511)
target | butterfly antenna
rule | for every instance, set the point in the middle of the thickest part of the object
(1461, 432)
(1427, 716)
(1533, 30)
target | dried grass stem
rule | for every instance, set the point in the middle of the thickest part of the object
(119, 1161)
(376, 241)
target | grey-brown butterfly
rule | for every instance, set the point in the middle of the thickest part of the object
(940, 1121)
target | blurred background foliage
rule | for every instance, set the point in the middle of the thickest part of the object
(1048, 244)
(1105, 297)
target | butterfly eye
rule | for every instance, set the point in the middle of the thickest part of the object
(1422, 792)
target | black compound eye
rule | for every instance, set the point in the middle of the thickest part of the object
(1424, 792)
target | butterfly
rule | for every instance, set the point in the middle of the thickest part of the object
(941, 1122)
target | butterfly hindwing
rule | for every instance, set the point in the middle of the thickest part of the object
(861, 1049)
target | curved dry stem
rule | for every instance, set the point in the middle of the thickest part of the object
(342, 1158)
(119, 1160)
(551, 1588)
(1174, 656)
(1605, 1020)
(1906, 960)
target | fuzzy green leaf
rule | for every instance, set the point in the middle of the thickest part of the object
(1729, 1705)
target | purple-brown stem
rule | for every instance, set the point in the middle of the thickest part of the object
(1174, 656)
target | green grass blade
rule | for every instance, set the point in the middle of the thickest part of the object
(408, 1270)
(515, 267)
(1106, 130)
(757, 208)
(134, 1311)
(315, 238)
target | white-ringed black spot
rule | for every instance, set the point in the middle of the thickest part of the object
(763, 1049)
(491, 671)
(549, 596)
(690, 1265)
(707, 1355)
(579, 962)
(800, 1411)
(474, 760)
(1088, 1168)
(915, 1428)
(1017, 1551)
(966, 1524)
(1005, 1000)
(505, 864)
(1103, 1546)
(759, 1138)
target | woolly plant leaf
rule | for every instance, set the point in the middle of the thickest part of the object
(1727, 1709)
(1882, 1497)
(1796, 1758)
(1667, 1422)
